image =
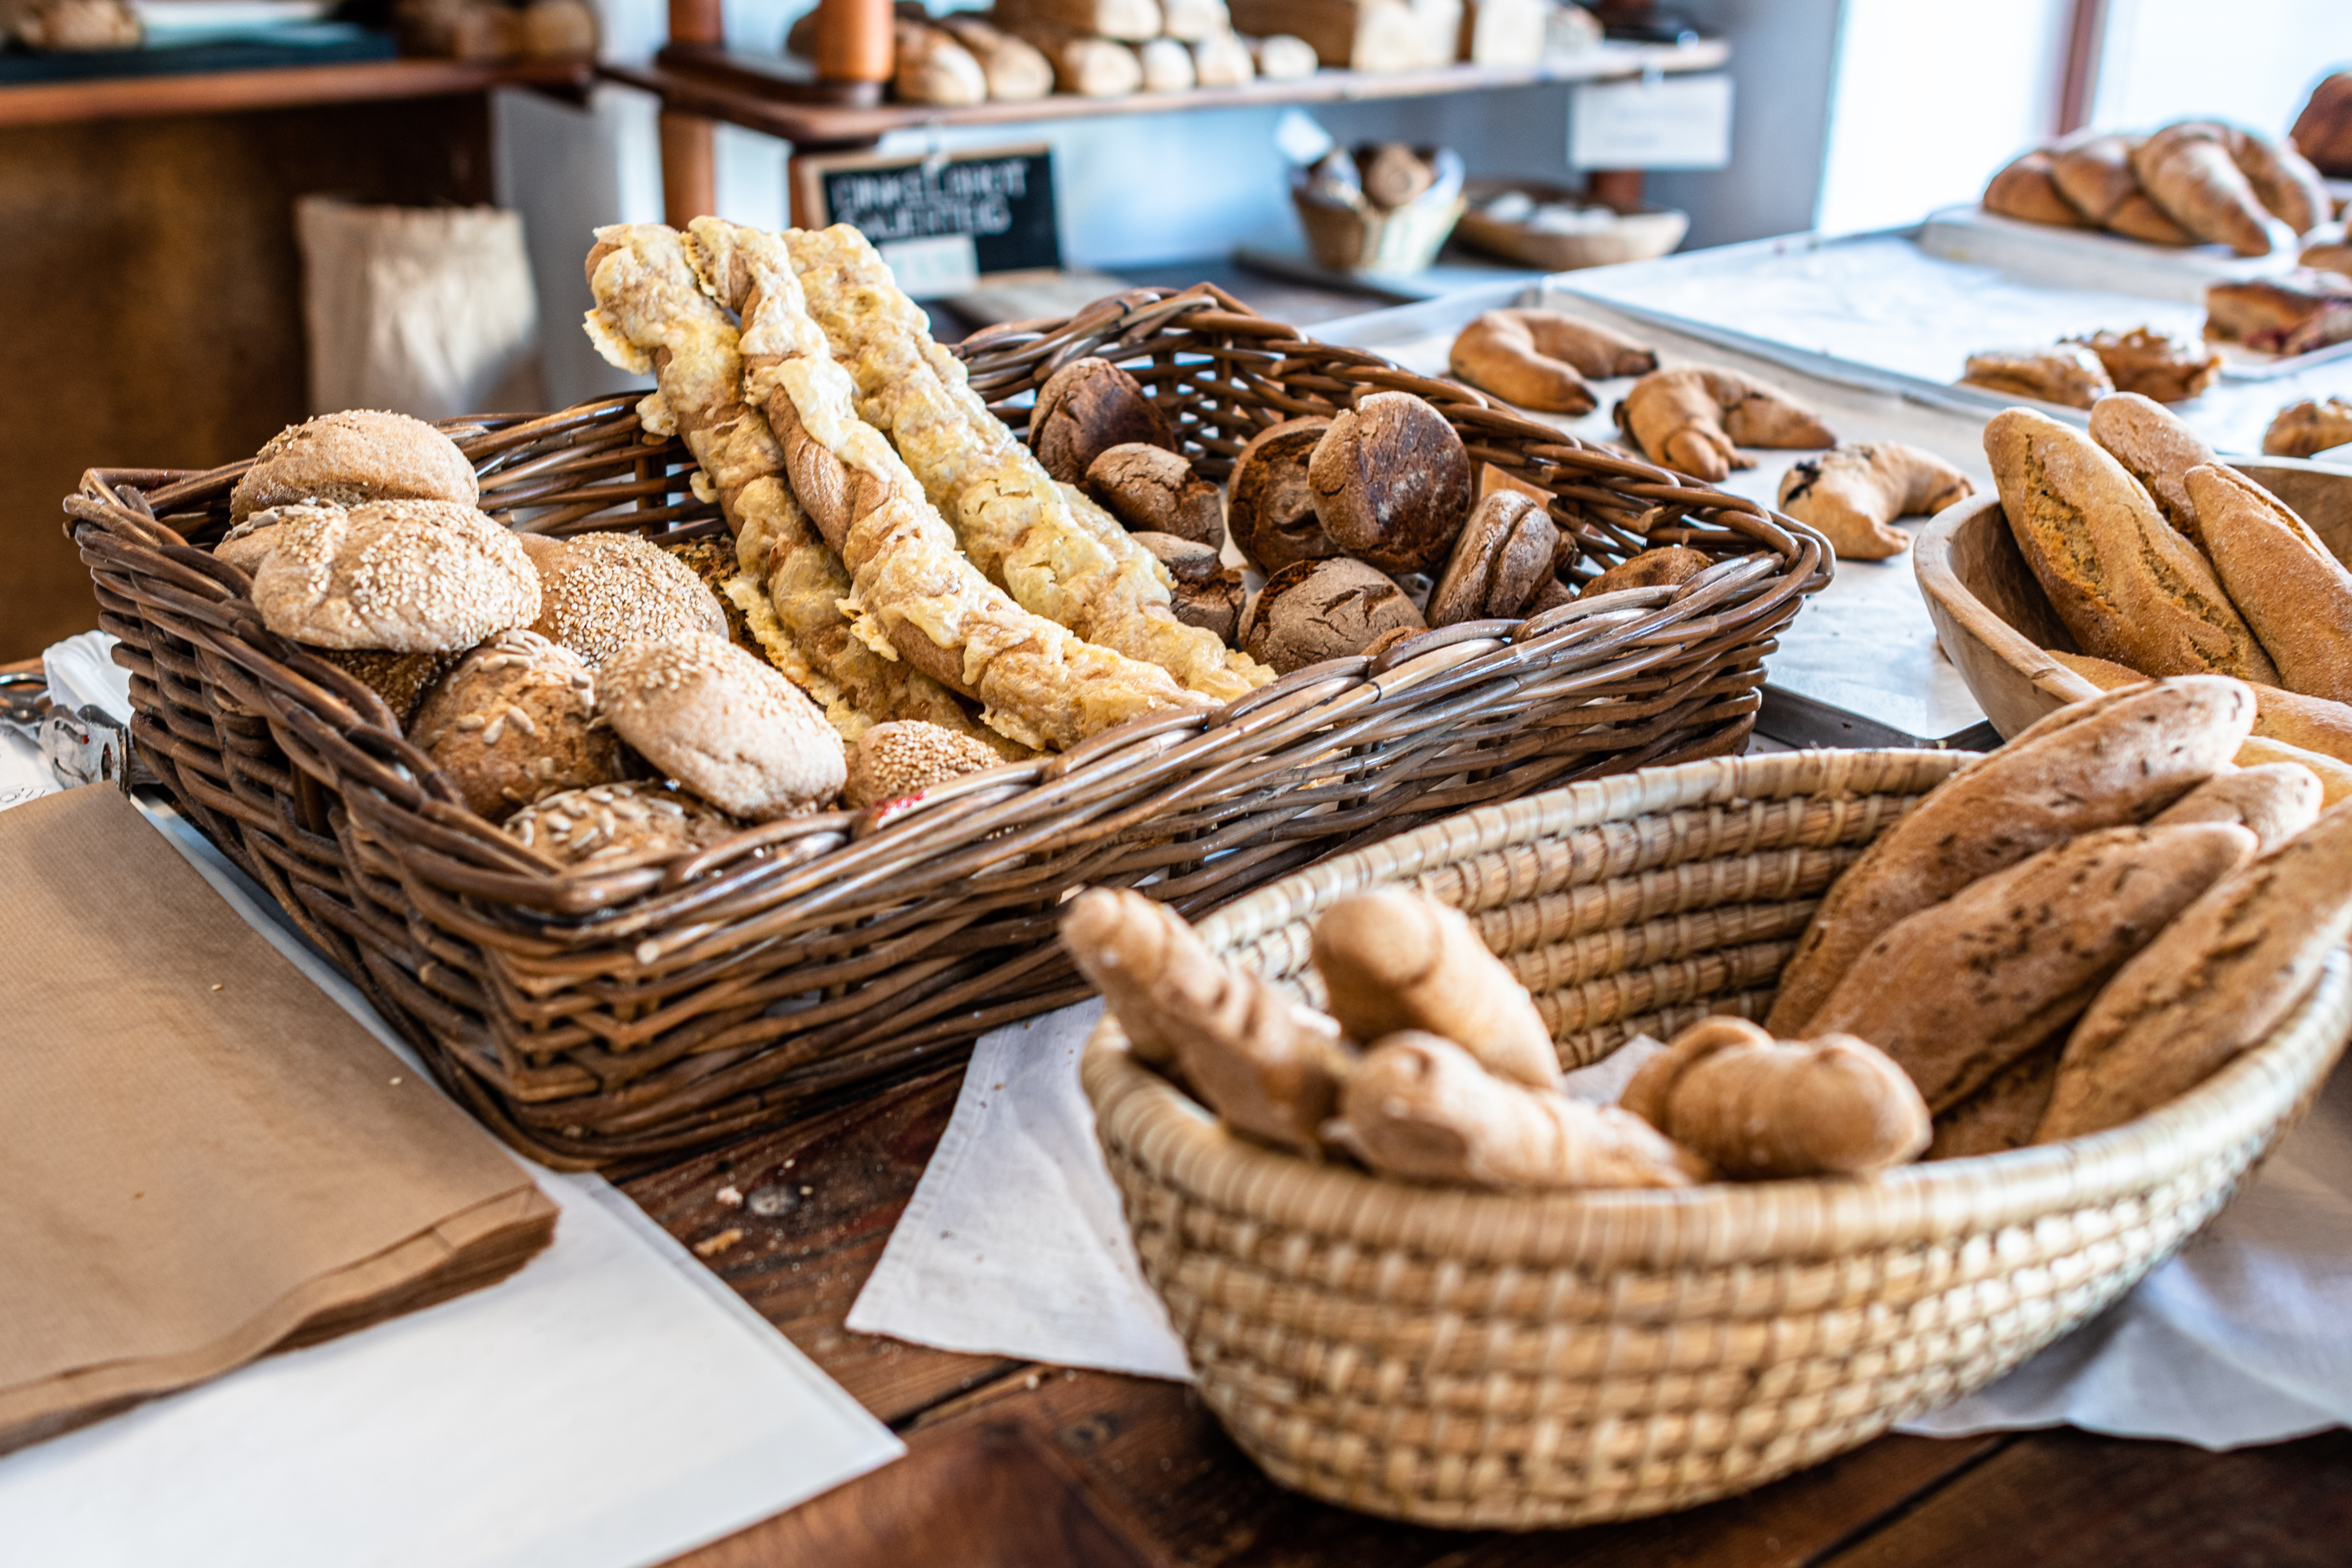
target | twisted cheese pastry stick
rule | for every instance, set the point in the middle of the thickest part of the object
(653, 317)
(1072, 563)
(913, 591)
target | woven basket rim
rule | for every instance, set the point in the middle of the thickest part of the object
(1163, 1128)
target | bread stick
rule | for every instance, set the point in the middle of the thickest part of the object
(1075, 566)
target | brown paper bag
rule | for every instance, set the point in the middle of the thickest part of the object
(202, 1157)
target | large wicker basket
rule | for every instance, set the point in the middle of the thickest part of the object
(624, 1013)
(1470, 1359)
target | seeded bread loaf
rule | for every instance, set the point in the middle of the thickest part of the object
(607, 827)
(1958, 991)
(2308, 724)
(351, 458)
(602, 590)
(2112, 760)
(515, 721)
(407, 576)
(2124, 583)
(2215, 984)
(724, 725)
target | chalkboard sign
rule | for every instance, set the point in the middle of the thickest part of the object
(945, 223)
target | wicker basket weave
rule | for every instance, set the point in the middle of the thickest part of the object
(599, 1016)
(1469, 1359)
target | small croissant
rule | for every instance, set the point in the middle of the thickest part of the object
(1851, 494)
(1539, 359)
(1696, 420)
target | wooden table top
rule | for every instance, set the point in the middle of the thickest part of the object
(1035, 1467)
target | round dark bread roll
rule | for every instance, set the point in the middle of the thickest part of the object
(1085, 408)
(1204, 591)
(408, 576)
(515, 722)
(723, 723)
(1314, 610)
(402, 679)
(602, 591)
(1270, 506)
(352, 458)
(1669, 565)
(1391, 482)
(1503, 558)
(1154, 491)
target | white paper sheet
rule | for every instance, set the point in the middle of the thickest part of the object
(612, 1404)
(1013, 1245)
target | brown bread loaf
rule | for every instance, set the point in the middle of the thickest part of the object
(1270, 507)
(2215, 984)
(2273, 801)
(2122, 580)
(2114, 760)
(2311, 724)
(2003, 1115)
(1669, 565)
(1154, 491)
(1961, 989)
(1391, 482)
(2025, 188)
(2297, 594)
(1085, 408)
(1502, 560)
(2157, 447)
(1756, 1108)
(1314, 610)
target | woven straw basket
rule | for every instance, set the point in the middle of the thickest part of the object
(1468, 1358)
(593, 1015)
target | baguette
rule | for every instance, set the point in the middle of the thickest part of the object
(2297, 594)
(2112, 760)
(2273, 801)
(1961, 990)
(2124, 583)
(2214, 986)
(2155, 448)
(2003, 1115)
(2309, 724)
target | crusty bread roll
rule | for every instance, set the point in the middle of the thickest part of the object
(1959, 990)
(1391, 482)
(905, 757)
(2112, 760)
(2296, 594)
(2025, 188)
(349, 458)
(1755, 1106)
(1270, 505)
(1852, 493)
(2212, 986)
(2323, 132)
(2124, 583)
(411, 576)
(2157, 447)
(599, 592)
(515, 722)
(1505, 556)
(722, 723)
(2273, 802)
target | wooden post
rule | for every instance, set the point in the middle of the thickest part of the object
(1619, 188)
(2084, 33)
(689, 172)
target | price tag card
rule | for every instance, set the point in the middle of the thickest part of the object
(1656, 122)
(945, 223)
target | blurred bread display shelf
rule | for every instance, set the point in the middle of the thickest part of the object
(288, 87)
(772, 94)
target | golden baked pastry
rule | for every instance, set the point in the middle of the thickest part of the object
(2122, 581)
(610, 827)
(349, 458)
(2308, 429)
(410, 576)
(514, 721)
(2155, 364)
(2093, 173)
(1851, 494)
(2067, 374)
(2025, 188)
(1539, 359)
(599, 592)
(2290, 314)
(722, 723)
(1695, 419)
(1055, 560)
(913, 591)
(2114, 760)
(2192, 170)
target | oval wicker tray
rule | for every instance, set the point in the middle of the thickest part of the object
(1994, 620)
(1471, 1359)
(624, 1013)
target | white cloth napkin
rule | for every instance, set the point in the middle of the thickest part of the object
(1014, 1245)
(612, 1404)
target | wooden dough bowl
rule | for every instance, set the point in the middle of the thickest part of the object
(1994, 620)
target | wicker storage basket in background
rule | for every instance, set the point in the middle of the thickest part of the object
(1472, 1359)
(599, 1016)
